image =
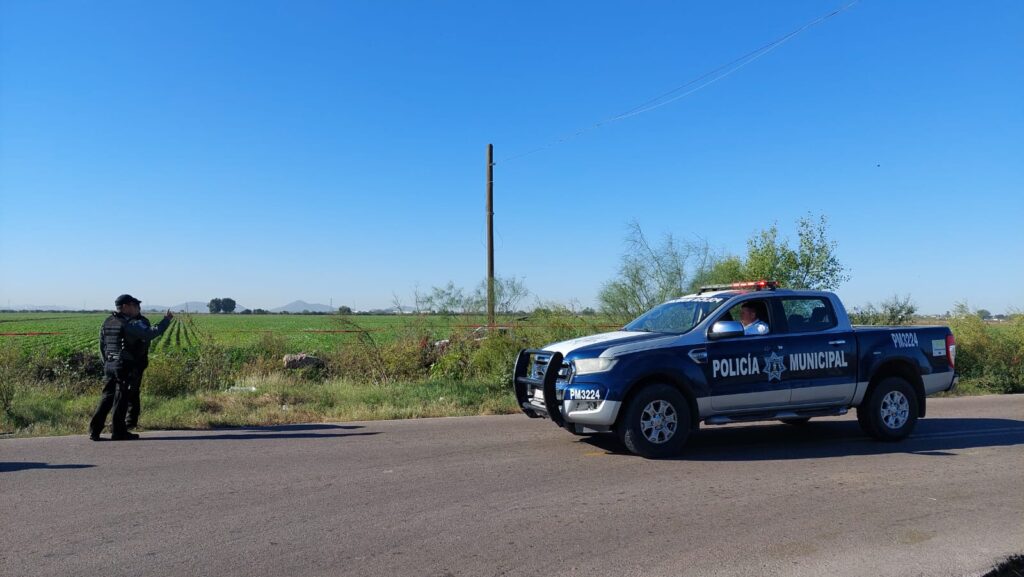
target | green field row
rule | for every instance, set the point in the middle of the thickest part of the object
(69, 332)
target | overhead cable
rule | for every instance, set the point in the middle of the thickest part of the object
(691, 86)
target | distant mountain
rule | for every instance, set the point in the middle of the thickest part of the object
(299, 306)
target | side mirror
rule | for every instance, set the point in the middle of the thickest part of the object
(725, 330)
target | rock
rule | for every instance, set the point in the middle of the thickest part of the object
(301, 361)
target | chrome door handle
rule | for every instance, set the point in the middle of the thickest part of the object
(837, 343)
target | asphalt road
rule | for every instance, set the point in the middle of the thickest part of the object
(514, 496)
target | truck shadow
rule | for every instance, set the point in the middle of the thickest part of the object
(292, 428)
(936, 437)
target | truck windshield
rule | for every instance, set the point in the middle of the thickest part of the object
(678, 316)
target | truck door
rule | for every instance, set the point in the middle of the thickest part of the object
(821, 357)
(744, 372)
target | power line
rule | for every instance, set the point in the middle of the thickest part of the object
(691, 86)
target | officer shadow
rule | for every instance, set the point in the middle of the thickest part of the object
(6, 467)
(934, 437)
(301, 431)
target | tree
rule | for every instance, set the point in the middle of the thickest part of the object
(812, 265)
(448, 299)
(725, 270)
(983, 314)
(344, 310)
(650, 275)
(508, 293)
(215, 306)
(227, 305)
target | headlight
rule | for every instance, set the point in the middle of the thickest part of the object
(588, 366)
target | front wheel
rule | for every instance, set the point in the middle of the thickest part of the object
(656, 422)
(891, 412)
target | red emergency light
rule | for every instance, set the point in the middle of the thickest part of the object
(750, 285)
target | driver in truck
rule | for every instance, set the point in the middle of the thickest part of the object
(752, 325)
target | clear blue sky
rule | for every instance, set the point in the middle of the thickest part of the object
(273, 151)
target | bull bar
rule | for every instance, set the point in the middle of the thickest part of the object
(522, 382)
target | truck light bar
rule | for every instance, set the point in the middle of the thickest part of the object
(751, 285)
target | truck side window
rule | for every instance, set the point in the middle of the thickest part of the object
(808, 315)
(758, 306)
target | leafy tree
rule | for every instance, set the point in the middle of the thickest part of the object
(812, 265)
(344, 310)
(725, 270)
(650, 275)
(983, 314)
(227, 305)
(215, 305)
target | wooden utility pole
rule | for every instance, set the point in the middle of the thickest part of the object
(490, 236)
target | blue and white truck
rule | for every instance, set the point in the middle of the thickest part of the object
(689, 361)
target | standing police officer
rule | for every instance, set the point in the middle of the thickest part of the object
(123, 346)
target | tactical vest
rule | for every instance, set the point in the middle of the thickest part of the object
(112, 338)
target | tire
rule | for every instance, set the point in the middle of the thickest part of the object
(797, 422)
(890, 413)
(656, 422)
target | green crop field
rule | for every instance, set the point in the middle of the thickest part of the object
(63, 333)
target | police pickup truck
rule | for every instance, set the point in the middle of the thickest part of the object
(691, 360)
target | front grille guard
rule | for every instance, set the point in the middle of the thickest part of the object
(522, 381)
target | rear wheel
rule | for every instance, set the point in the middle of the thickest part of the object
(656, 422)
(890, 413)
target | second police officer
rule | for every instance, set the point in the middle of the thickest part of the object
(135, 382)
(124, 346)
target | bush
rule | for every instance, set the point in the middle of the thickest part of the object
(369, 360)
(202, 368)
(895, 311)
(494, 357)
(989, 357)
(452, 357)
(12, 374)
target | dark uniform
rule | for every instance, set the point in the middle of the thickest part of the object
(135, 384)
(124, 346)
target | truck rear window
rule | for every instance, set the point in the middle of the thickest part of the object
(804, 315)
